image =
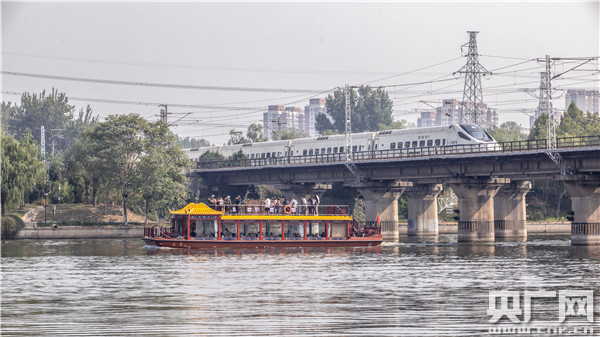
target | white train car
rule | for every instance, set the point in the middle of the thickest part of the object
(456, 138)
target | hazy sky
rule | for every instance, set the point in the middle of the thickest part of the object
(239, 58)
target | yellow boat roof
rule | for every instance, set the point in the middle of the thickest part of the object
(196, 209)
(287, 217)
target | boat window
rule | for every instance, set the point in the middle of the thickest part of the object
(304, 152)
(392, 146)
(406, 144)
(316, 151)
(421, 143)
(430, 142)
(310, 152)
(437, 142)
(329, 150)
(463, 136)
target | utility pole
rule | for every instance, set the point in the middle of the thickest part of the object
(545, 106)
(278, 121)
(43, 143)
(163, 113)
(348, 137)
(472, 94)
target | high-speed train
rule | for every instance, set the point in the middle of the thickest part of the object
(366, 144)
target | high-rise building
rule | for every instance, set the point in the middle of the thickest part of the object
(586, 100)
(280, 118)
(451, 112)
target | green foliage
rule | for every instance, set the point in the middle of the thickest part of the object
(11, 225)
(371, 110)
(508, 131)
(293, 133)
(53, 111)
(21, 169)
(254, 134)
(574, 123)
(134, 157)
(192, 143)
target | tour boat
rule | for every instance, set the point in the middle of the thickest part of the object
(250, 226)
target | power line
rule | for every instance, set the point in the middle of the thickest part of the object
(160, 85)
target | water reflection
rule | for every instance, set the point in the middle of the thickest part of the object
(426, 287)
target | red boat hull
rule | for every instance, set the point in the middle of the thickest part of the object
(195, 244)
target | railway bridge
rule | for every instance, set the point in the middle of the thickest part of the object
(490, 184)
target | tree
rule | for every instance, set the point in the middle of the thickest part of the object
(508, 131)
(575, 122)
(539, 130)
(21, 168)
(371, 110)
(255, 133)
(162, 181)
(293, 133)
(192, 143)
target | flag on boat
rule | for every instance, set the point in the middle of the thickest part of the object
(378, 220)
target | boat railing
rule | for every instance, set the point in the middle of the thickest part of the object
(310, 210)
(162, 232)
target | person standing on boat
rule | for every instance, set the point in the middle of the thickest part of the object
(317, 202)
(303, 208)
(220, 203)
(213, 202)
(227, 204)
(238, 204)
(294, 204)
(267, 205)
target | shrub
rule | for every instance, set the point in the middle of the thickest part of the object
(11, 224)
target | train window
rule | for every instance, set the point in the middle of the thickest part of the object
(406, 144)
(430, 142)
(329, 150)
(354, 148)
(274, 154)
(262, 155)
(399, 145)
(421, 143)
(437, 142)
(444, 141)
(463, 136)
(322, 150)
(268, 155)
(393, 146)
(414, 143)
(369, 147)
(304, 152)
(310, 152)
(341, 149)
(316, 151)
(376, 146)
(360, 148)
(252, 156)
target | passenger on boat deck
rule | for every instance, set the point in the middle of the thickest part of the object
(213, 202)
(294, 204)
(193, 233)
(304, 203)
(227, 202)
(220, 203)
(267, 204)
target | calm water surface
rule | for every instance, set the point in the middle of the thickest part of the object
(121, 288)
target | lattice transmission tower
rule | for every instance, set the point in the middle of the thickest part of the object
(473, 94)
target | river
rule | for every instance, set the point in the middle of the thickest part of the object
(120, 287)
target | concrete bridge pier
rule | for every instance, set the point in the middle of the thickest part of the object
(381, 199)
(476, 206)
(585, 203)
(423, 209)
(509, 211)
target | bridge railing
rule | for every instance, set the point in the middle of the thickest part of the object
(502, 147)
